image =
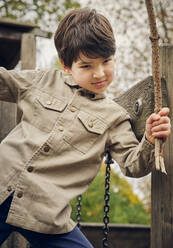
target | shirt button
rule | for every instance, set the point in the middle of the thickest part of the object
(91, 124)
(48, 102)
(72, 109)
(46, 148)
(30, 169)
(9, 188)
(61, 128)
(20, 194)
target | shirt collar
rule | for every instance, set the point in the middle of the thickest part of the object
(70, 81)
(93, 96)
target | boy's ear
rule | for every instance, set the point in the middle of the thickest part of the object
(66, 69)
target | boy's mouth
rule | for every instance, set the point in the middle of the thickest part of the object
(99, 83)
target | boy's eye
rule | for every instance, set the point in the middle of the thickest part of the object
(84, 66)
(107, 60)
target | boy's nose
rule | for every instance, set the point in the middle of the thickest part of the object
(99, 72)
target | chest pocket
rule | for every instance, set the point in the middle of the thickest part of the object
(47, 110)
(87, 129)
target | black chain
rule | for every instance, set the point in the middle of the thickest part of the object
(79, 206)
(108, 162)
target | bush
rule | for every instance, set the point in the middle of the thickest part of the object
(125, 206)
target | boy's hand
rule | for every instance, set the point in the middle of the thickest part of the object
(158, 126)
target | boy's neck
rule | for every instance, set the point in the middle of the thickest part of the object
(70, 81)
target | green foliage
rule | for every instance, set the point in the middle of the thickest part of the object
(42, 12)
(125, 206)
(68, 4)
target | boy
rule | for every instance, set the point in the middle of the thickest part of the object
(56, 150)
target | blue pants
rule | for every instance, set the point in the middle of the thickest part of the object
(73, 239)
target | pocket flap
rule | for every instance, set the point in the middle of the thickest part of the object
(51, 102)
(92, 123)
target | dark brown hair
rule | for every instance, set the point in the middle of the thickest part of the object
(86, 31)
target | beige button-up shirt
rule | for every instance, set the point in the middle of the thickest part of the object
(56, 150)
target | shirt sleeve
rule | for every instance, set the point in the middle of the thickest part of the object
(136, 159)
(13, 83)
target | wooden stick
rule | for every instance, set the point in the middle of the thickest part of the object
(154, 37)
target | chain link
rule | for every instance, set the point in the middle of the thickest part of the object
(79, 207)
(108, 162)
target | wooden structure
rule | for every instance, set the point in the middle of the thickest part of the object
(17, 42)
(16, 39)
(11, 35)
(162, 185)
(139, 102)
(120, 236)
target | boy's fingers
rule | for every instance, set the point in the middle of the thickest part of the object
(156, 117)
(153, 117)
(164, 111)
(161, 127)
(162, 120)
(158, 125)
(161, 134)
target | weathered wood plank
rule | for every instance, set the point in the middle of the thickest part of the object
(162, 185)
(28, 57)
(120, 236)
(24, 27)
(139, 102)
(28, 51)
(10, 34)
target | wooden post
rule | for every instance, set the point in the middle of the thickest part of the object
(162, 185)
(28, 58)
(28, 51)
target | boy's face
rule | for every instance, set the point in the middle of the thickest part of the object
(93, 74)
